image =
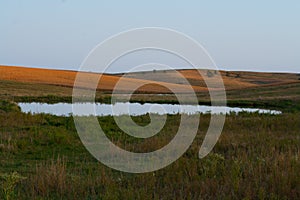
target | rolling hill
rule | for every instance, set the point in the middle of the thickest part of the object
(153, 81)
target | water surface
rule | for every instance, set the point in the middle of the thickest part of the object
(133, 109)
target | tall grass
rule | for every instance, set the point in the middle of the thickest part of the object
(256, 157)
(50, 177)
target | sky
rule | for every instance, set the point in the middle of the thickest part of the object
(239, 35)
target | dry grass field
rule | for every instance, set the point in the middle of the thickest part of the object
(247, 89)
(153, 80)
(66, 79)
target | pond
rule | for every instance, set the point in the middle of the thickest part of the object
(133, 109)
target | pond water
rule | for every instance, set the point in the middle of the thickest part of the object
(133, 109)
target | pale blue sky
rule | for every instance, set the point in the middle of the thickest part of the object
(239, 35)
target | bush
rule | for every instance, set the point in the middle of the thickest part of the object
(8, 106)
(9, 182)
(209, 74)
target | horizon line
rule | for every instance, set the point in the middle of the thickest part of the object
(183, 68)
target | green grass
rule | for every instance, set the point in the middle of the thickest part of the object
(257, 157)
(282, 97)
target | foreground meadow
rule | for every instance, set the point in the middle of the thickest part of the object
(257, 157)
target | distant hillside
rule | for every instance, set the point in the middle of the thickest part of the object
(154, 80)
(231, 79)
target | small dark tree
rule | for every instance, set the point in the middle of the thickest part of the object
(209, 73)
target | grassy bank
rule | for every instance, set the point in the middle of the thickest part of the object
(257, 157)
(285, 97)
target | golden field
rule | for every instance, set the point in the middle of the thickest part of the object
(153, 81)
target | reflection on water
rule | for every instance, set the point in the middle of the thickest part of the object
(133, 109)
